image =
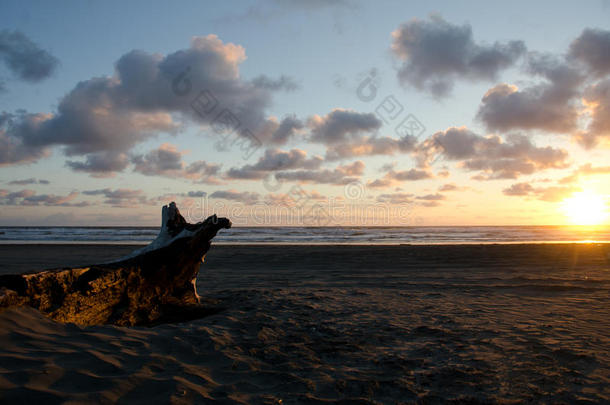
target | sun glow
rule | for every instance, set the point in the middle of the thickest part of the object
(585, 208)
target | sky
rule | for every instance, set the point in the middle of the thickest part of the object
(305, 113)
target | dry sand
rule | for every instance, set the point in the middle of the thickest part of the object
(335, 324)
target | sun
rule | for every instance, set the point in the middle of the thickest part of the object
(585, 208)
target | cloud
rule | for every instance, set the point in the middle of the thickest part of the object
(122, 197)
(275, 160)
(265, 11)
(245, 197)
(431, 197)
(585, 171)
(30, 198)
(396, 198)
(341, 125)
(548, 194)
(435, 53)
(12, 147)
(294, 197)
(285, 129)
(519, 189)
(282, 83)
(25, 182)
(196, 194)
(592, 48)
(449, 187)
(167, 161)
(597, 100)
(347, 134)
(342, 174)
(102, 164)
(112, 114)
(24, 58)
(201, 171)
(370, 146)
(492, 156)
(393, 177)
(547, 106)
(314, 4)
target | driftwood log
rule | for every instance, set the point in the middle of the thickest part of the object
(153, 285)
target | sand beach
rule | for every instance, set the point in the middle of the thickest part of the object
(334, 324)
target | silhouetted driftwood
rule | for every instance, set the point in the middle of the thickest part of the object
(153, 285)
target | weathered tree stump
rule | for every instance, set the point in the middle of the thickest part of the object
(152, 285)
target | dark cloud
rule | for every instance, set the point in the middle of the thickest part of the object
(492, 156)
(53, 200)
(294, 198)
(370, 146)
(314, 4)
(597, 100)
(30, 198)
(339, 126)
(393, 177)
(28, 181)
(201, 171)
(245, 197)
(115, 113)
(592, 48)
(13, 198)
(448, 187)
(431, 197)
(396, 198)
(196, 194)
(283, 131)
(166, 160)
(548, 194)
(24, 58)
(275, 160)
(122, 197)
(519, 189)
(13, 150)
(282, 83)
(546, 106)
(435, 53)
(102, 164)
(343, 174)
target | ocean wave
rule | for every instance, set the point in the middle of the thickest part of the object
(328, 235)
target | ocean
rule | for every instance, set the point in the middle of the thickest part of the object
(421, 235)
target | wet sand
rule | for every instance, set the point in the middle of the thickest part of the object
(332, 324)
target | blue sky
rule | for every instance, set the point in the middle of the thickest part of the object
(325, 49)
